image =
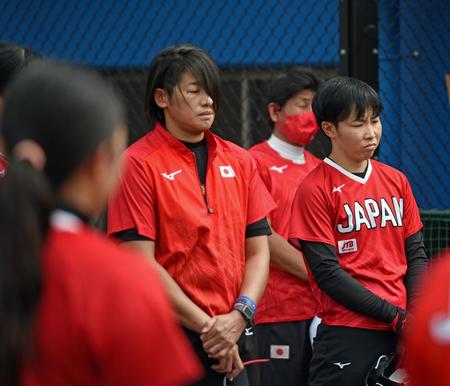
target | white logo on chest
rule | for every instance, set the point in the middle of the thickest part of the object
(171, 176)
(278, 169)
(342, 365)
(338, 188)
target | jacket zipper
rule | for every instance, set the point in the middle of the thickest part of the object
(203, 186)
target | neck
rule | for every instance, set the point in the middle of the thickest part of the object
(187, 137)
(78, 194)
(287, 150)
(279, 134)
(352, 166)
(183, 134)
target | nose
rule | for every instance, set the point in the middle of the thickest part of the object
(207, 100)
(370, 131)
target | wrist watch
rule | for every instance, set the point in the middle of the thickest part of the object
(247, 312)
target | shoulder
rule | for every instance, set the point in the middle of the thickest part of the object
(315, 183)
(317, 175)
(311, 158)
(98, 261)
(387, 171)
(259, 149)
(144, 147)
(230, 149)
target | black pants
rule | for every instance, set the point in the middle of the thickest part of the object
(247, 351)
(288, 347)
(344, 355)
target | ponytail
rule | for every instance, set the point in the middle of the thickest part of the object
(26, 201)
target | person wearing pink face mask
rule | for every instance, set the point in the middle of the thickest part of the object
(285, 312)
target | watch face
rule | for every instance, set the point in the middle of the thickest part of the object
(248, 313)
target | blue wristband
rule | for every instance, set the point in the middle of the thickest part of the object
(242, 299)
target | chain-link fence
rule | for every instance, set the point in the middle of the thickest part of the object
(253, 41)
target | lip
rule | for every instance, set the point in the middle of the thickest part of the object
(371, 146)
(206, 114)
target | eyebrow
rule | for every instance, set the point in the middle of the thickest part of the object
(362, 118)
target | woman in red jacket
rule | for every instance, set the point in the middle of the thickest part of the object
(75, 309)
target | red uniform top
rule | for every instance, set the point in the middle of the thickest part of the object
(427, 336)
(3, 165)
(104, 318)
(286, 298)
(367, 220)
(199, 234)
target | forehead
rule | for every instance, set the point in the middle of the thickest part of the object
(187, 78)
(368, 113)
(302, 96)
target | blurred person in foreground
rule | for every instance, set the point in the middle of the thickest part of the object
(427, 332)
(75, 308)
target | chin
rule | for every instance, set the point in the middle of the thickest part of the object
(204, 128)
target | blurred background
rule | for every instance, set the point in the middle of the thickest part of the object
(400, 47)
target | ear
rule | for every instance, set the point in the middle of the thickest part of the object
(161, 98)
(329, 129)
(274, 111)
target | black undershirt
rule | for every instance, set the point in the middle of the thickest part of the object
(200, 150)
(344, 289)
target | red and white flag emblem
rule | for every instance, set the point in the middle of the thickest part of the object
(227, 171)
(279, 351)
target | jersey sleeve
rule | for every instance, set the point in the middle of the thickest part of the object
(134, 334)
(310, 217)
(260, 201)
(131, 207)
(263, 173)
(411, 218)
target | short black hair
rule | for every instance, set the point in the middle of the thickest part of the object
(167, 68)
(285, 86)
(337, 97)
(13, 58)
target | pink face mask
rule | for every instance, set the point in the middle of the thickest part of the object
(299, 129)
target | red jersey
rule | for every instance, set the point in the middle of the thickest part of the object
(427, 336)
(286, 298)
(104, 318)
(199, 232)
(3, 165)
(367, 220)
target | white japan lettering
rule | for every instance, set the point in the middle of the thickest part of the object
(371, 213)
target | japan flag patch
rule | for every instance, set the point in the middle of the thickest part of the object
(227, 171)
(278, 351)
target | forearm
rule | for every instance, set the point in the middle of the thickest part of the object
(285, 257)
(256, 267)
(417, 263)
(343, 288)
(189, 314)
